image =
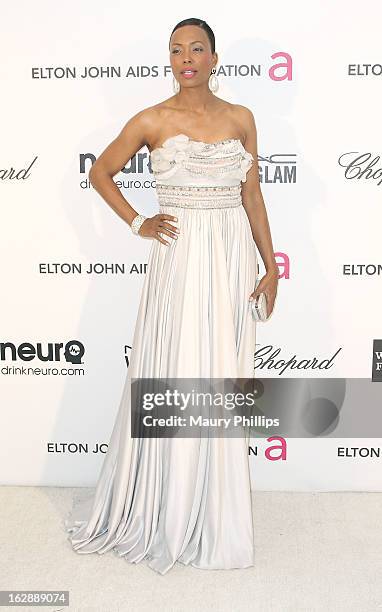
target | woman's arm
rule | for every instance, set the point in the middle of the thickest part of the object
(137, 132)
(253, 200)
(115, 157)
(254, 205)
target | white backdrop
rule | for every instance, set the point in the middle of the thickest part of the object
(325, 221)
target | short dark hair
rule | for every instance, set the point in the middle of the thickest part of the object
(202, 24)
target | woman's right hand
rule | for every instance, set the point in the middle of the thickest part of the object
(154, 226)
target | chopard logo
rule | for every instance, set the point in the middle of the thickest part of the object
(14, 174)
(361, 166)
(267, 358)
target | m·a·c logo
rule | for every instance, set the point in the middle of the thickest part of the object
(278, 168)
(377, 361)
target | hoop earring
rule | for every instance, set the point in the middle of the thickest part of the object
(213, 82)
(175, 85)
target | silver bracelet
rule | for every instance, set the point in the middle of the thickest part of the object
(137, 222)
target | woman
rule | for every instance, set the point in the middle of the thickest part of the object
(174, 499)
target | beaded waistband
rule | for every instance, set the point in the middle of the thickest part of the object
(199, 197)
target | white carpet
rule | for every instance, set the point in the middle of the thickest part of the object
(314, 552)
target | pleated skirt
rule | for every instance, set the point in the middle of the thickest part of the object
(186, 500)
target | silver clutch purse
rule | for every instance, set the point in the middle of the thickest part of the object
(259, 306)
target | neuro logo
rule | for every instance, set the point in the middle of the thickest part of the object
(74, 351)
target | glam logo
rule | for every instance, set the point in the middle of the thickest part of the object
(277, 168)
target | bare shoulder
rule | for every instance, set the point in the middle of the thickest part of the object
(135, 134)
(142, 125)
(240, 117)
(149, 122)
(246, 120)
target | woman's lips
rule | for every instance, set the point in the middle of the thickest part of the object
(188, 75)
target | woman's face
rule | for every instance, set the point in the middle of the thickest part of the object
(190, 51)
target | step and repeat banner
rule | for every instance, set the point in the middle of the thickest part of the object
(72, 271)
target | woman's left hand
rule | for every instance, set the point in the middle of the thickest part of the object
(268, 285)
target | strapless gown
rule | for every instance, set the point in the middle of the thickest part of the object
(186, 500)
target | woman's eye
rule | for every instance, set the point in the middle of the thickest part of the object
(195, 49)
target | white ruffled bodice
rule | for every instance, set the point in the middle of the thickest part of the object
(181, 161)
